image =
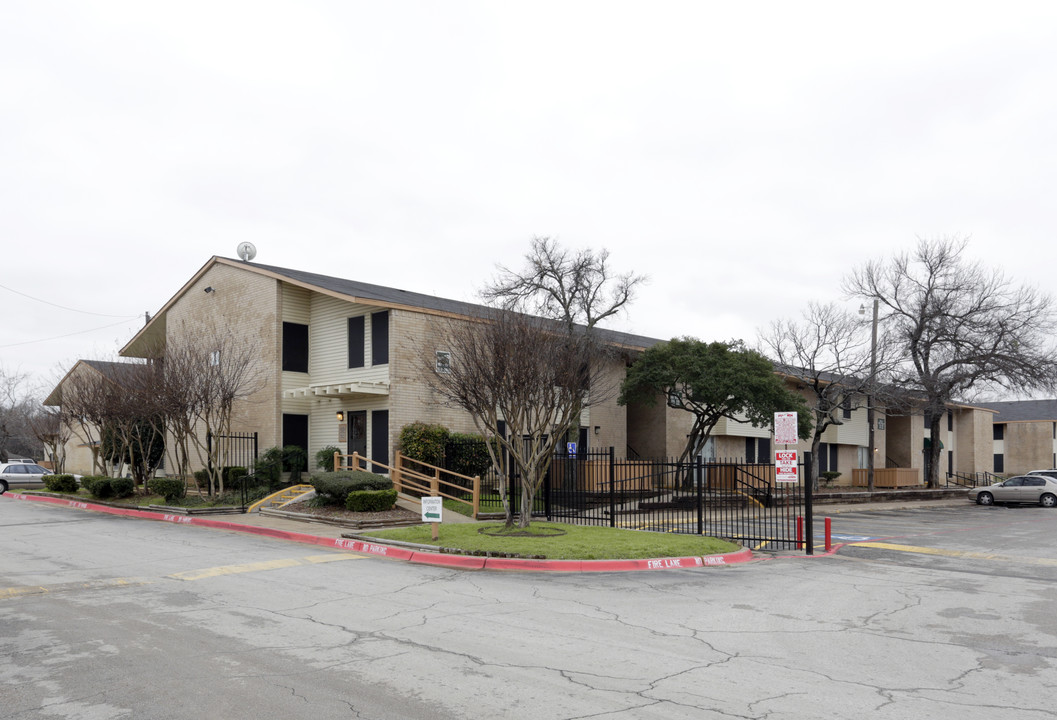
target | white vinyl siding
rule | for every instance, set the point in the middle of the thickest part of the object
(854, 431)
(328, 337)
(327, 320)
(740, 429)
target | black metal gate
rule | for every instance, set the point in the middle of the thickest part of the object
(730, 499)
(234, 450)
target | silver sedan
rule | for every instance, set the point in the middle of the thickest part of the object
(1034, 489)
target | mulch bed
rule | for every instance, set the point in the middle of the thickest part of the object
(334, 513)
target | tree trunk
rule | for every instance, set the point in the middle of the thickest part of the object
(934, 453)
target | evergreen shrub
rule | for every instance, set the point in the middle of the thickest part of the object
(172, 489)
(336, 486)
(62, 483)
(371, 500)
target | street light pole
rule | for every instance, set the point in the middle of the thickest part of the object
(869, 395)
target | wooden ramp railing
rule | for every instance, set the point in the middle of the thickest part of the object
(428, 480)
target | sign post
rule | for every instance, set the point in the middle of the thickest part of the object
(432, 512)
(785, 468)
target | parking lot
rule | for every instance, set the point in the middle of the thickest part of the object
(942, 611)
(1014, 540)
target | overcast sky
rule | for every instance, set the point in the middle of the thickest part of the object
(744, 155)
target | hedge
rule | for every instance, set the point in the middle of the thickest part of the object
(107, 487)
(172, 489)
(370, 500)
(334, 487)
(424, 442)
(61, 483)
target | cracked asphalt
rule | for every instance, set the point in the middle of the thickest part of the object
(110, 617)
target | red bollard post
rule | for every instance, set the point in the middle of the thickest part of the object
(799, 531)
(829, 534)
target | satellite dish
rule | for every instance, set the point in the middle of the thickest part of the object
(246, 251)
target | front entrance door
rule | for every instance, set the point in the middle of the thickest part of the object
(358, 432)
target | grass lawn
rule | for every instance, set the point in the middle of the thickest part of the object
(192, 500)
(557, 541)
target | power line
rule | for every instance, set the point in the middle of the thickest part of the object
(63, 307)
(59, 337)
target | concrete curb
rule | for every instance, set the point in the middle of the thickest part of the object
(464, 562)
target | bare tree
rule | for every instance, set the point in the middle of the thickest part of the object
(205, 377)
(52, 433)
(960, 326)
(577, 288)
(829, 354)
(527, 373)
(81, 408)
(15, 411)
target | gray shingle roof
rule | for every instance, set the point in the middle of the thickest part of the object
(393, 296)
(1023, 410)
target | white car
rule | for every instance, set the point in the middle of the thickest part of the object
(22, 475)
(1033, 488)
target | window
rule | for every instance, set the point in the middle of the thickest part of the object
(1000, 432)
(356, 341)
(1000, 463)
(827, 457)
(950, 421)
(295, 347)
(846, 408)
(380, 338)
(443, 362)
(757, 450)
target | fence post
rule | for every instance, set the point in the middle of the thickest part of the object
(355, 461)
(398, 463)
(476, 496)
(699, 479)
(337, 461)
(809, 525)
(612, 491)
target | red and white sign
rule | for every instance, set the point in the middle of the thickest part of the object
(785, 466)
(785, 428)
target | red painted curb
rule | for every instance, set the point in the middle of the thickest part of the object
(466, 562)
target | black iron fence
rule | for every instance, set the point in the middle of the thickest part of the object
(730, 499)
(237, 449)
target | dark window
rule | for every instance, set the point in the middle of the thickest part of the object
(764, 454)
(295, 347)
(1034, 482)
(356, 341)
(380, 439)
(950, 462)
(1000, 432)
(750, 450)
(846, 408)
(380, 338)
(1000, 463)
(950, 421)
(295, 432)
(827, 457)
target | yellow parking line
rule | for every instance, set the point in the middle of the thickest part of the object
(259, 566)
(7, 593)
(956, 553)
